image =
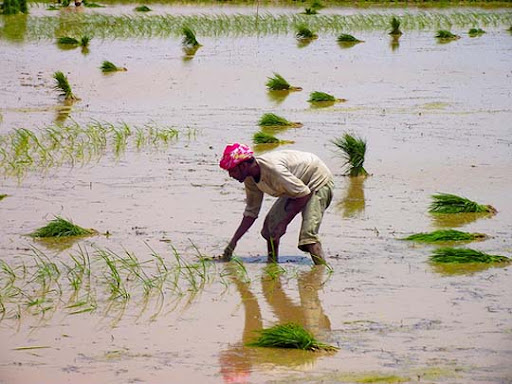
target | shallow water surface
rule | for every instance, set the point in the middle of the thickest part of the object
(436, 118)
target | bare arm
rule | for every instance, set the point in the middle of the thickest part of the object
(244, 226)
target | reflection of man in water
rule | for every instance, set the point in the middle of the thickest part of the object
(237, 361)
(300, 180)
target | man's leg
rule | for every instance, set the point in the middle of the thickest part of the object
(274, 216)
(316, 252)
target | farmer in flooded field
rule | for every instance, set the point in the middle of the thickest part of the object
(302, 183)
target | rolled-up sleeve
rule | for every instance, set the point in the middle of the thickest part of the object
(253, 200)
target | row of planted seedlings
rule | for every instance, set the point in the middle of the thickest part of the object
(74, 144)
(164, 25)
(94, 279)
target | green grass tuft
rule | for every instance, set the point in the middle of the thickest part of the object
(142, 8)
(63, 86)
(189, 37)
(473, 32)
(261, 137)
(60, 227)
(395, 27)
(353, 150)
(448, 203)
(465, 255)
(317, 96)
(444, 34)
(346, 38)
(445, 236)
(290, 336)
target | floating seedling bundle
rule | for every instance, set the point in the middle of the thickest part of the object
(444, 34)
(60, 227)
(447, 235)
(273, 120)
(108, 67)
(353, 150)
(63, 86)
(278, 83)
(290, 335)
(449, 203)
(465, 255)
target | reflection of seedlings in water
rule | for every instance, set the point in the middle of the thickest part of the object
(63, 86)
(273, 120)
(190, 52)
(395, 43)
(290, 335)
(60, 227)
(444, 35)
(465, 255)
(108, 67)
(449, 203)
(142, 8)
(63, 112)
(395, 27)
(189, 37)
(353, 150)
(474, 32)
(450, 220)
(448, 235)
(353, 204)
(278, 83)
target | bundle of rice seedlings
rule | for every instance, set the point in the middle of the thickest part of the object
(60, 227)
(290, 336)
(278, 83)
(317, 96)
(108, 66)
(346, 38)
(445, 235)
(84, 41)
(273, 120)
(310, 11)
(353, 150)
(66, 40)
(63, 86)
(2, 196)
(261, 137)
(189, 37)
(304, 33)
(473, 32)
(446, 35)
(142, 8)
(465, 255)
(395, 27)
(448, 203)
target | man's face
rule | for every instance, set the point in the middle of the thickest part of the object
(239, 173)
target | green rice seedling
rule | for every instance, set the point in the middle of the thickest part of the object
(63, 86)
(273, 271)
(60, 227)
(189, 37)
(444, 34)
(395, 27)
(304, 33)
(448, 203)
(142, 8)
(290, 335)
(310, 11)
(278, 83)
(317, 96)
(84, 41)
(353, 150)
(273, 120)
(108, 67)
(465, 255)
(115, 282)
(473, 32)
(446, 235)
(66, 40)
(346, 38)
(261, 137)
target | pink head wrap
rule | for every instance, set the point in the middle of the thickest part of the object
(234, 154)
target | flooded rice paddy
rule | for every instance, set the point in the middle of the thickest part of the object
(136, 159)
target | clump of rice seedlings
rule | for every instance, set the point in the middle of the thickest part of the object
(290, 335)
(261, 137)
(66, 40)
(84, 41)
(445, 235)
(346, 38)
(12, 7)
(63, 86)
(446, 35)
(273, 120)
(107, 67)
(395, 27)
(142, 8)
(322, 97)
(465, 255)
(353, 150)
(473, 32)
(60, 227)
(278, 83)
(189, 37)
(448, 203)
(310, 11)
(2, 196)
(304, 33)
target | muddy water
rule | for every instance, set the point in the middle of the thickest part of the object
(436, 118)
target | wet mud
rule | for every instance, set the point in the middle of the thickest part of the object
(436, 118)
